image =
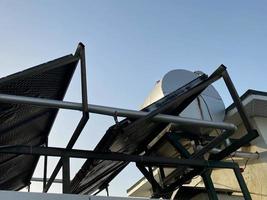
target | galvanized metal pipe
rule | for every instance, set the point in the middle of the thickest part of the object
(35, 179)
(104, 110)
(238, 154)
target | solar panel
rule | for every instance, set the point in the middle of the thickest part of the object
(26, 124)
(132, 136)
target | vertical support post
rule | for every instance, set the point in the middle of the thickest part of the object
(155, 187)
(162, 175)
(209, 185)
(107, 191)
(66, 174)
(81, 53)
(45, 165)
(242, 184)
(71, 143)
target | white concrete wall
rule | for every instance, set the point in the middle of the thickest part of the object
(11, 195)
(255, 173)
(220, 197)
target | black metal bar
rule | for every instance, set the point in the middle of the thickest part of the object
(45, 166)
(212, 144)
(162, 174)
(242, 184)
(235, 145)
(174, 140)
(71, 143)
(209, 185)
(251, 133)
(237, 101)
(107, 191)
(146, 160)
(81, 53)
(149, 176)
(53, 176)
(66, 174)
(182, 180)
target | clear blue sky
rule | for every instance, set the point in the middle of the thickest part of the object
(129, 46)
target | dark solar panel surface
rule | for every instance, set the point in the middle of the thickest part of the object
(26, 124)
(131, 136)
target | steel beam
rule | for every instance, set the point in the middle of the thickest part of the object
(45, 166)
(145, 160)
(251, 133)
(242, 184)
(183, 179)
(208, 147)
(70, 144)
(150, 177)
(209, 185)
(174, 140)
(80, 52)
(237, 101)
(66, 174)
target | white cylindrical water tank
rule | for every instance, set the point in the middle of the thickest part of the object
(207, 106)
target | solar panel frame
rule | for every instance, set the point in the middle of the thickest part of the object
(51, 80)
(93, 168)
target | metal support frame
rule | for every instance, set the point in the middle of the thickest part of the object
(80, 52)
(200, 166)
(237, 101)
(212, 144)
(206, 177)
(66, 154)
(174, 140)
(45, 166)
(150, 177)
(203, 170)
(145, 160)
(71, 143)
(66, 174)
(242, 184)
(251, 133)
(162, 175)
(107, 191)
